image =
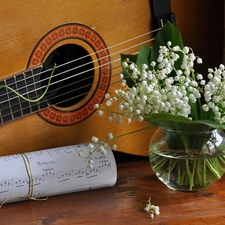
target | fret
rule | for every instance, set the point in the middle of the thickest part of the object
(37, 87)
(39, 90)
(13, 99)
(28, 108)
(26, 84)
(31, 90)
(19, 101)
(4, 105)
(20, 80)
(8, 116)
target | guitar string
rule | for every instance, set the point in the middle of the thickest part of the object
(113, 46)
(19, 110)
(107, 48)
(111, 62)
(49, 99)
(83, 64)
(77, 96)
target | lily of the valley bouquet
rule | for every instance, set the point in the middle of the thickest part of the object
(160, 85)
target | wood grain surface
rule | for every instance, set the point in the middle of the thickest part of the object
(123, 203)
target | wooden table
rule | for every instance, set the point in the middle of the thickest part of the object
(123, 203)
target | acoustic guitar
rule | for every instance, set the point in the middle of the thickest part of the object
(85, 40)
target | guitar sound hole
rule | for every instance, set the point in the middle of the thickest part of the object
(71, 82)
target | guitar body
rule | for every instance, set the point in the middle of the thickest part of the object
(35, 32)
(25, 27)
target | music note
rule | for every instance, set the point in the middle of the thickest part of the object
(4, 186)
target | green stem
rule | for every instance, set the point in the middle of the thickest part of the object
(222, 159)
(189, 174)
(193, 173)
(113, 139)
(128, 72)
(32, 100)
(212, 169)
(160, 164)
(125, 134)
(199, 175)
(172, 164)
(204, 179)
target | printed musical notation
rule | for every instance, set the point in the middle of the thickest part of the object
(54, 171)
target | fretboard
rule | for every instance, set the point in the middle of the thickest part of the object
(26, 84)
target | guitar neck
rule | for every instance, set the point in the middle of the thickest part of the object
(28, 85)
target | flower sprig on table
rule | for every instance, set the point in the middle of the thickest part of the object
(160, 85)
(153, 209)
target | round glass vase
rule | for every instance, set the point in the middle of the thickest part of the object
(188, 159)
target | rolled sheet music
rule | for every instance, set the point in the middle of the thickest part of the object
(55, 171)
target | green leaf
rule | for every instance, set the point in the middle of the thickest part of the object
(144, 56)
(160, 117)
(211, 123)
(171, 121)
(168, 33)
